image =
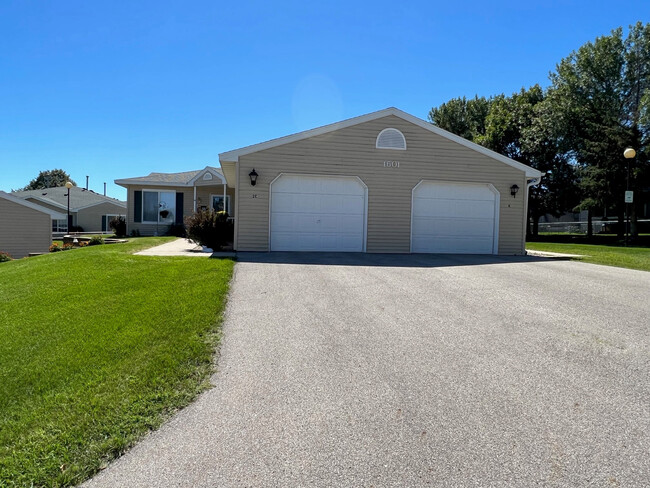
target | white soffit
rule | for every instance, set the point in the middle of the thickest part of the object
(234, 155)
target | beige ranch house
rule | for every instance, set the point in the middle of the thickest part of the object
(385, 182)
(382, 182)
(158, 201)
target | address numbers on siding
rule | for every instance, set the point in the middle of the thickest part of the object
(391, 164)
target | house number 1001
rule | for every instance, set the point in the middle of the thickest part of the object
(391, 164)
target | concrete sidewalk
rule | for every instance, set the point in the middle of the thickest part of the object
(179, 247)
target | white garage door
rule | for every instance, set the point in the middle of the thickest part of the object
(458, 218)
(317, 213)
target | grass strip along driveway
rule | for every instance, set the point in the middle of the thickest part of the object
(622, 257)
(99, 346)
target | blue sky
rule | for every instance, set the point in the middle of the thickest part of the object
(119, 89)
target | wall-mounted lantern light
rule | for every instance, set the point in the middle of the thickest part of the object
(253, 176)
(513, 190)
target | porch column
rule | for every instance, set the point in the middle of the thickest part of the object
(225, 208)
(194, 198)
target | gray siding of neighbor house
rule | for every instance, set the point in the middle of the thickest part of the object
(55, 208)
(203, 192)
(90, 218)
(351, 151)
(23, 230)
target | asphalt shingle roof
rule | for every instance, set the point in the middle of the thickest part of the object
(79, 197)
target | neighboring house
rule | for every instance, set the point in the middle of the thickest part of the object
(159, 200)
(381, 182)
(88, 210)
(24, 226)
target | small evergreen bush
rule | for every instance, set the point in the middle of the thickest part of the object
(209, 228)
(96, 241)
(118, 225)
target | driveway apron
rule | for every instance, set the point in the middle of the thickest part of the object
(379, 370)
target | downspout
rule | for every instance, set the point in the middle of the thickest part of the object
(530, 182)
(194, 198)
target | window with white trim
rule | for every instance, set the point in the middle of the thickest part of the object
(158, 207)
(59, 225)
(391, 139)
(217, 203)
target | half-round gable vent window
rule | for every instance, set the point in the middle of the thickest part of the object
(391, 139)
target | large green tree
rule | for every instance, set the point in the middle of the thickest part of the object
(462, 117)
(516, 126)
(599, 95)
(49, 179)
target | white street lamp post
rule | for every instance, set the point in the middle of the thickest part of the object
(629, 153)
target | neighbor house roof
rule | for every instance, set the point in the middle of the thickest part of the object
(185, 178)
(33, 206)
(233, 156)
(80, 198)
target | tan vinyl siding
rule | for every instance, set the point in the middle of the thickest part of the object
(23, 230)
(203, 193)
(351, 151)
(90, 218)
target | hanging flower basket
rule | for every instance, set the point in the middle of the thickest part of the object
(164, 214)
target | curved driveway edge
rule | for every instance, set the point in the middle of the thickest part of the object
(367, 370)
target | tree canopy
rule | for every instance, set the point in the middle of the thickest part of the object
(49, 179)
(597, 104)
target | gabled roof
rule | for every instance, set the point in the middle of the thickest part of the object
(185, 178)
(233, 156)
(80, 198)
(33, 206)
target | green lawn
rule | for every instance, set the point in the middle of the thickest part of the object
(623, 257)
(99, 346)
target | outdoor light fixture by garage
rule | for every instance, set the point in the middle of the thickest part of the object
(513, 190)
(68, 185)
(253, 176)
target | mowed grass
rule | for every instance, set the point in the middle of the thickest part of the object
(97, 347)
(623, 257)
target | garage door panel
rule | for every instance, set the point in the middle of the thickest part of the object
(460, 245)
(443, 208)
(453, 218)
(311, 213)
(453, 227)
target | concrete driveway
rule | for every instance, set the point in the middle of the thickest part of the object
(353, 370)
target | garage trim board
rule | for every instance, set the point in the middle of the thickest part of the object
(298, 207)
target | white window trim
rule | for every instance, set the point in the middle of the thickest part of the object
(228, 207)
(390, 148)
(159, 192)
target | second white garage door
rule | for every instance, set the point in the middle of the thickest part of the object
(458, 218)
(318, 213)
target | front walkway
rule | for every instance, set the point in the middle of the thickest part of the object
(179, 247)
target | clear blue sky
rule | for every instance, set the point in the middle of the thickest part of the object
(119, 89)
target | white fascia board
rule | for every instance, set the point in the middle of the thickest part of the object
(127, 183)
(205, 170)
(233, 156)
(33, 206)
